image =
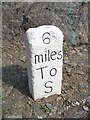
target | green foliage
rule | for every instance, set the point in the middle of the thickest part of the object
(71, 16)
(65, 48)
(73, 38)
(0, 2)
(4, 111)
(43, 106)
(1, 97)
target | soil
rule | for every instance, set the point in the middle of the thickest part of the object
(74, 100)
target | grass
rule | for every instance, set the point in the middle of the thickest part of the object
(65, 48)
(2, 97)
(43, 106)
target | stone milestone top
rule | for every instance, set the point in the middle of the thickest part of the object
(44, 35)
(44, 47)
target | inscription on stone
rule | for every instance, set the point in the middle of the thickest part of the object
(44, 47)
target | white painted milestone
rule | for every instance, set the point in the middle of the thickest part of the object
(44, 47)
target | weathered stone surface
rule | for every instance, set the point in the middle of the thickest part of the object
(44, 54)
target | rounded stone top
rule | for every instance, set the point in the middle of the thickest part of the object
(44, 35)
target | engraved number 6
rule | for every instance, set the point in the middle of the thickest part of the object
(46, 40)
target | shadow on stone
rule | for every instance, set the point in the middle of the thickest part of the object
(16, 76)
